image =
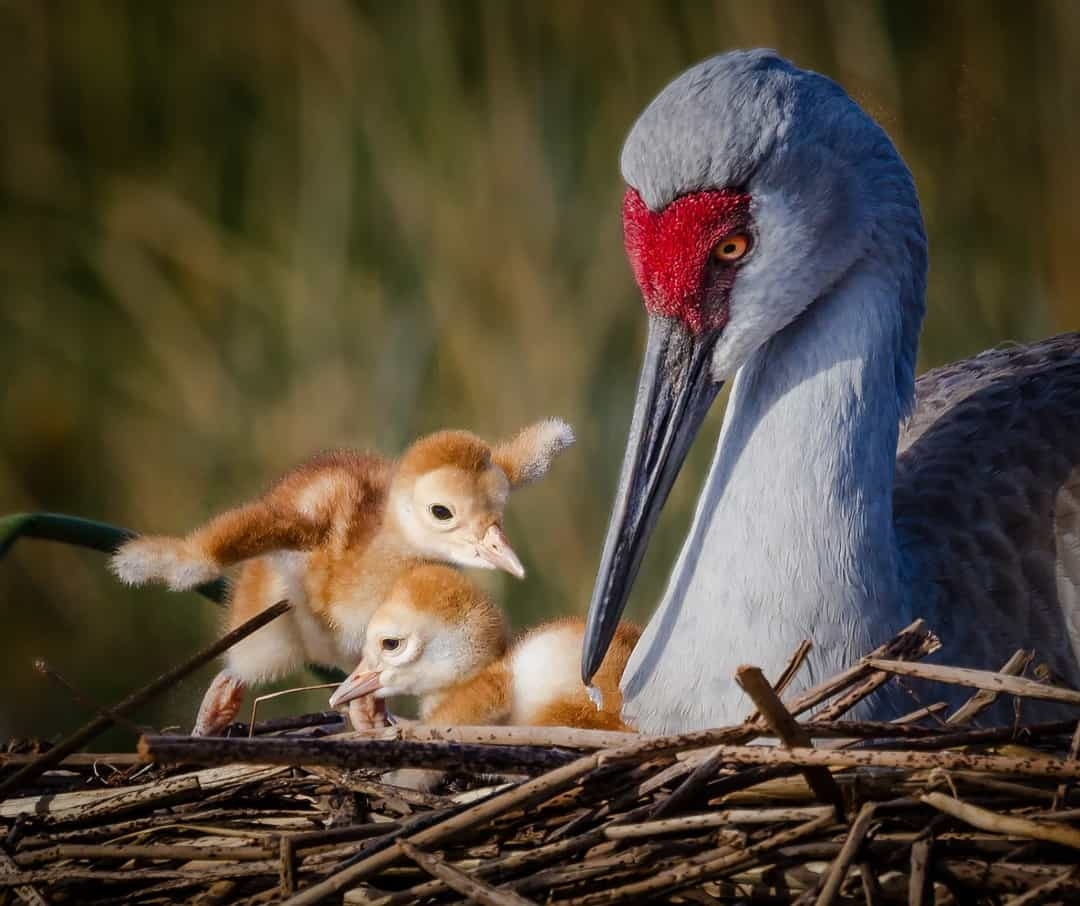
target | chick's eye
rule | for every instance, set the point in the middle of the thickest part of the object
(731, 248)
(440, 512)
(391, 644)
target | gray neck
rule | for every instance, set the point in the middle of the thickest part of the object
(793, 536)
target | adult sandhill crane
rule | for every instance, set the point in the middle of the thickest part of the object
(776, 237)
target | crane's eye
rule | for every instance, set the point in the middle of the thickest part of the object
(731, 248)
(440, 512)
(391, 644)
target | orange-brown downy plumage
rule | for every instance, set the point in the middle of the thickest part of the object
(333, 535)
(439, 637)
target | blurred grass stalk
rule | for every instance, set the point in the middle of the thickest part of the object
(232, 233)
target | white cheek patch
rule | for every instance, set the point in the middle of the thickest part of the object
(447, 657)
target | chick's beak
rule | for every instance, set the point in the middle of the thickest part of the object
(495, 549)
(360, 682)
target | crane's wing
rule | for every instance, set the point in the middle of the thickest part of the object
(987, 503)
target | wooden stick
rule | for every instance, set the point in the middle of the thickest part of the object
(919, 713)
(1062, 792)
(351, 755)
(73, 873)
(137, 699)
(464, 883)
(791, 735)
(521, 796)
(990, 734)
(906, 643)
(561, 737)
(913, 641)
(919, 880)
(980, 679)
(795, 662)
(838, 870)
(61, 805)
(501, 867)
(132, 851)
(919, 647)
(984, 819)
(42, 667)
(1047, 891)
(714, 819)
(25, 892)
(124, 801)
(984, 698)
(699, 776)
(870, 886)
(287, 855)
(684, 875)
(292, 722)
(852, 758)
(79, 759)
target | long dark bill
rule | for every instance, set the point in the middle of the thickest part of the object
(674, 393)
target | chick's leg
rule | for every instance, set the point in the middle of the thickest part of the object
(368, 713)
(269, 653)
(220, 704)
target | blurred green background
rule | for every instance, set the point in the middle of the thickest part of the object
(232, 233)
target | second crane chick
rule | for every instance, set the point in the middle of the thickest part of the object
(439, 637)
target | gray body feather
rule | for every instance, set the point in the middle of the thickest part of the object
(820, 518)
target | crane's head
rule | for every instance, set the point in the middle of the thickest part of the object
(450, 490)
(752, 187)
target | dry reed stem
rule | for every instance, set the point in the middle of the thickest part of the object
(870, 887)
(42, 667)
(839, 867)
(847, 758)
(134, 851)
(686, 874)
(791, 669)
(984, 698)
(1048, 890)
(519, 797)
(911, 638)
(354, 754)
(67, 806)
(125, 801)
(984, 819)
(715, 819)
(980, 679)
(920, 713)
(27, 893)
(790, 733)
(908, 647)
(919, 886)
(78, 759)
(559, 737)
(73, 873)
(912, 641)
(1062, 792)
(464, 883)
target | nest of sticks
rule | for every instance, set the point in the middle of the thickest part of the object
(930, 808)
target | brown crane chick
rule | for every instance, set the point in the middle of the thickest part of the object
(333, 535)
(439, 637)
